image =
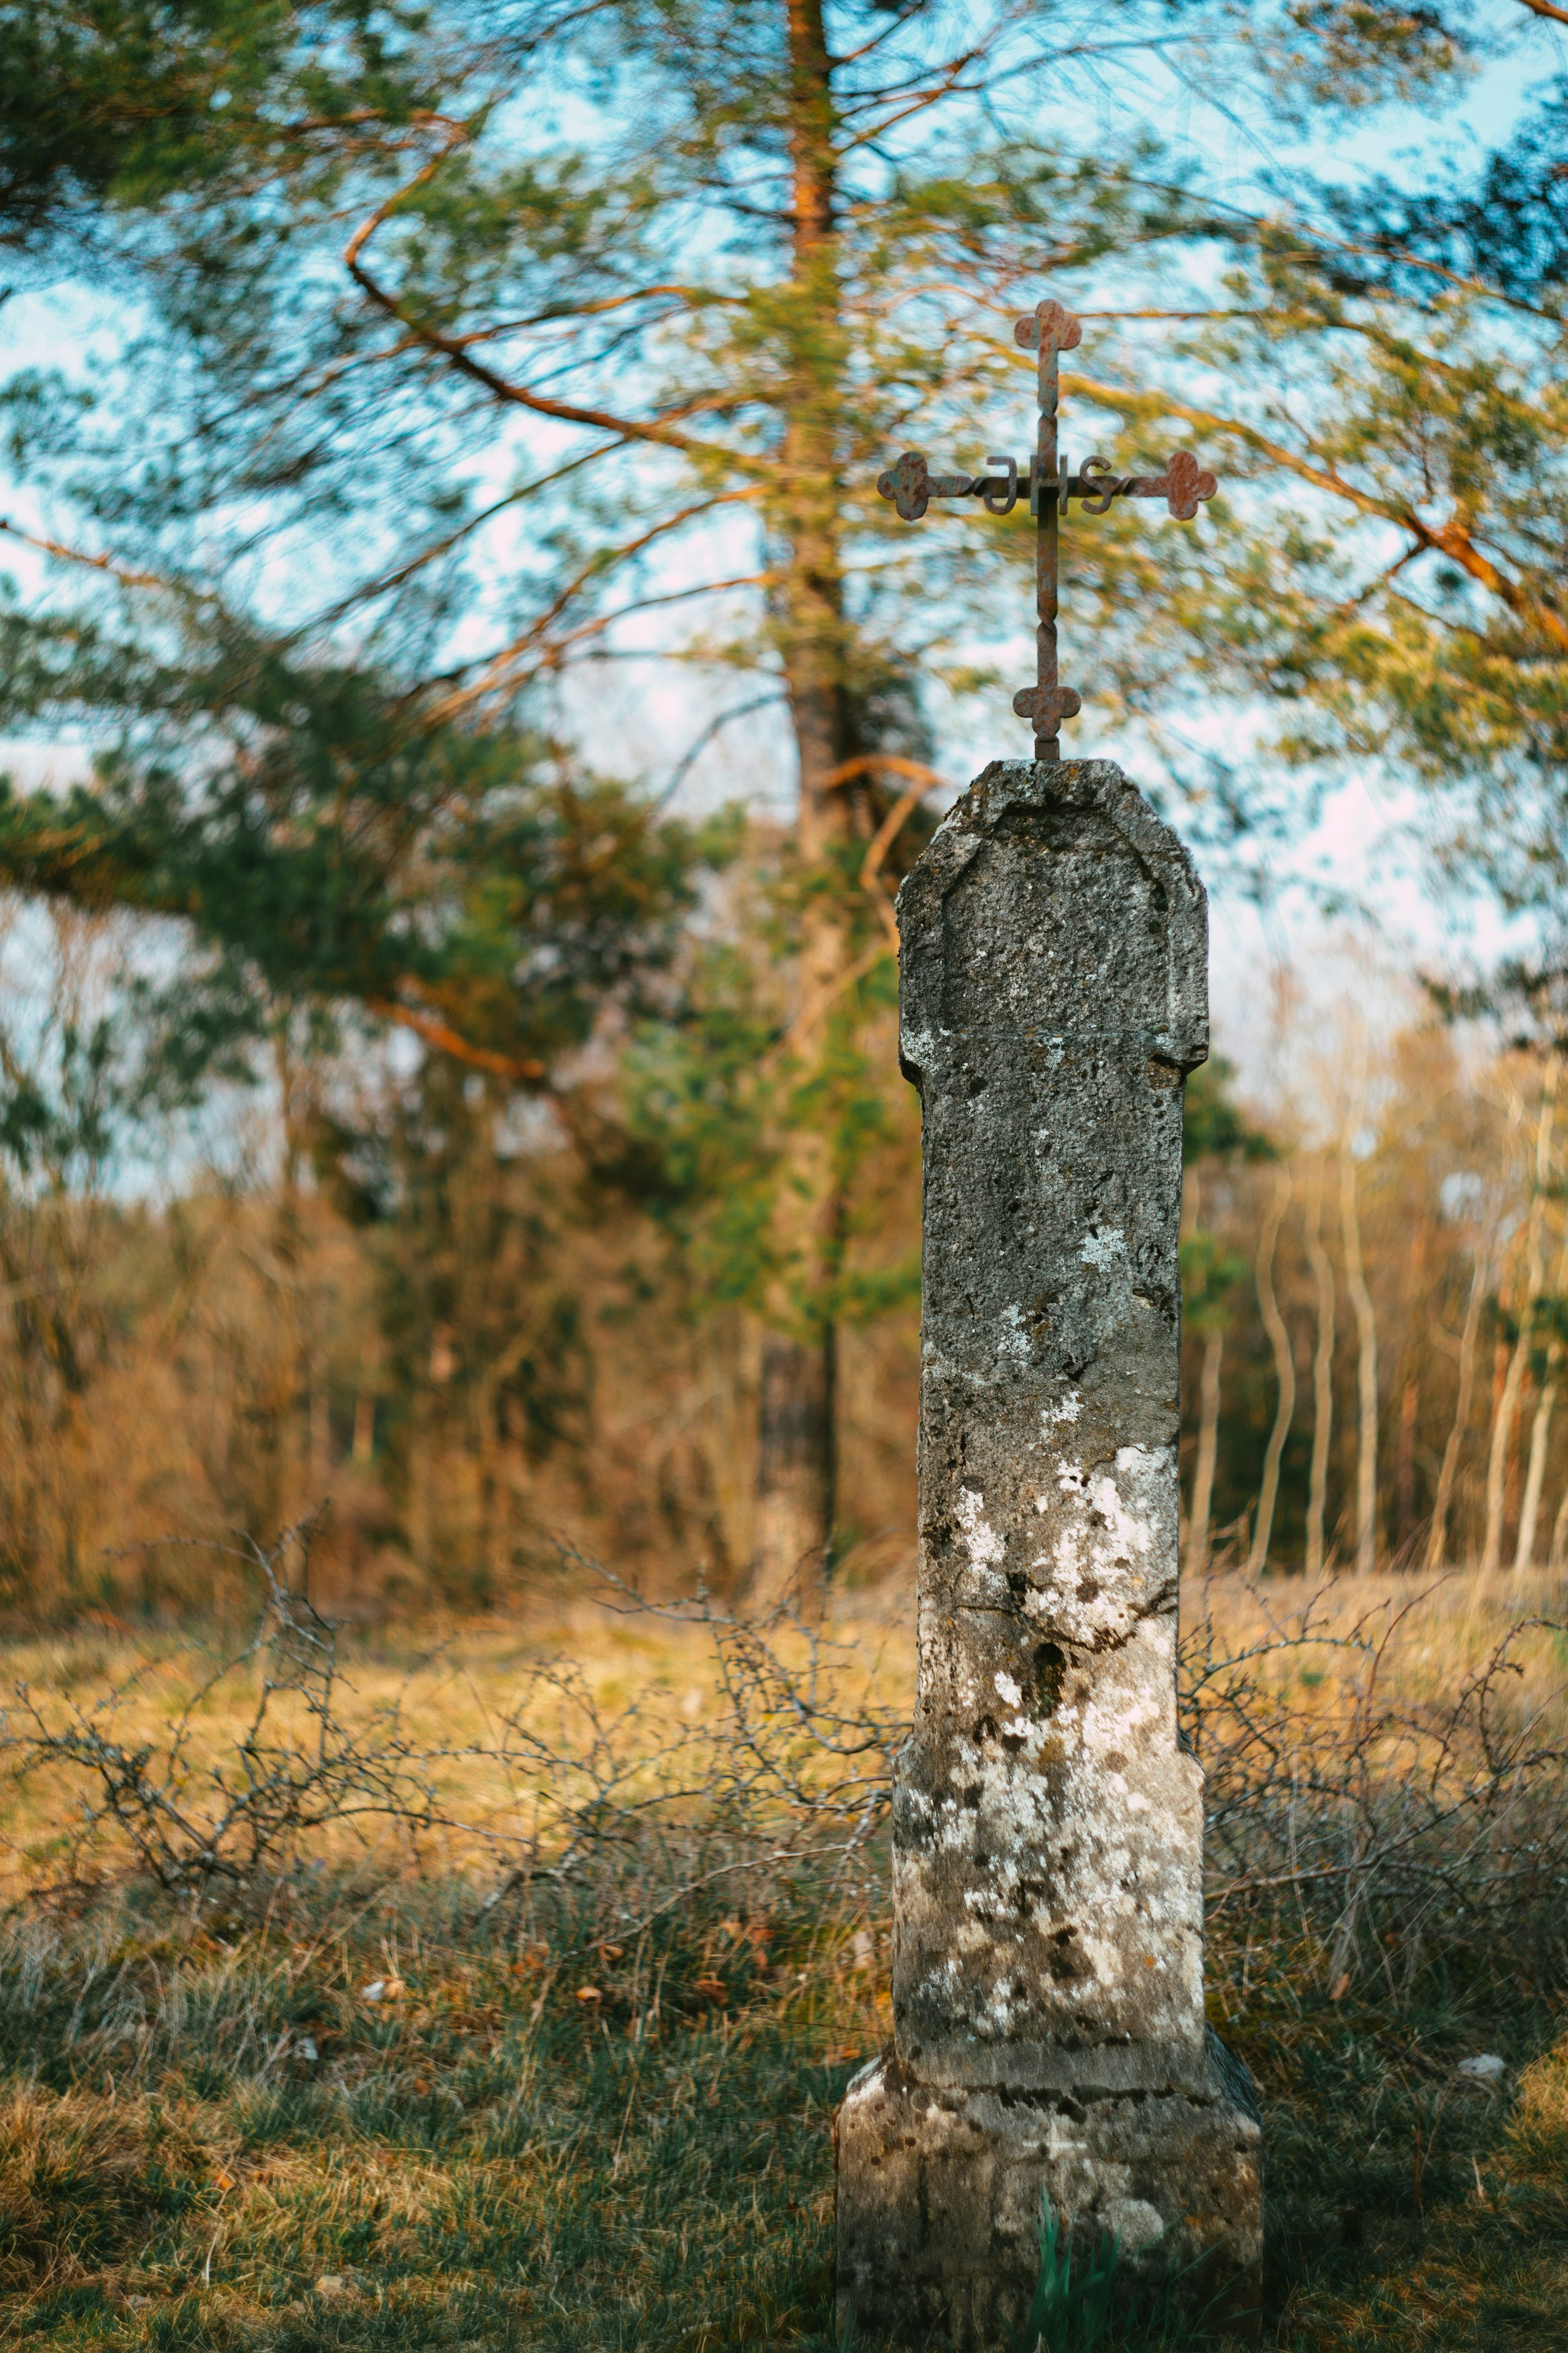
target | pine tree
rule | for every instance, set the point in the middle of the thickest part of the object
(397, 310)
(1396, 358)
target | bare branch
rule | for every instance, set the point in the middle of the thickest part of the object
(656, 432)
(1452, 539)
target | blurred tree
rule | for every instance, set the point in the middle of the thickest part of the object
(337, 857)
(1214, 1129)
(1284, 1366)
(1409, 601)
(1210, 1274)
(337, 867)
(714, 256)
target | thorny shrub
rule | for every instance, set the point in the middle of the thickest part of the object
(779, 1775)
(1356, 1828)
(1353, 1827)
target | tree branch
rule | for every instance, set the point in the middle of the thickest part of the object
(105, 564)
(454, 348)
(437, 548)
(447, 1040)
(494, 674)
(887, 833)
(1452, 539)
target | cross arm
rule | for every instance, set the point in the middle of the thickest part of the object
(911, 485)
(1184, 485)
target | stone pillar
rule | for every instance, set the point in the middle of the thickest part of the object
(1048, 1826)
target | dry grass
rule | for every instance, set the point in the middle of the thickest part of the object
(1449, 1626)
(591, 2117)
(501, 1721)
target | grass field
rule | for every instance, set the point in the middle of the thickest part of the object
(361, 2104)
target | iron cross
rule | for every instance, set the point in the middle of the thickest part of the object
(1048, 330)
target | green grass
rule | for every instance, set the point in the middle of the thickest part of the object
(496, 2158)
(1404, 2210)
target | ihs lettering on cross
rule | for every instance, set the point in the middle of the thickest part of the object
(1048, 330)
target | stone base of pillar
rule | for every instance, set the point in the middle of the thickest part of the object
(940, 2193)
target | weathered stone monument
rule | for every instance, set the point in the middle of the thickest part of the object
(1049, 2038)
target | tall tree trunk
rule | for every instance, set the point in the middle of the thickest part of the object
(1498, 1454)
(1405, 1460)
(287, 1447)
(1535, 1477)
(1519, 1359)
(793, 1518)
(1366, 1368)
(1540, 1431)
(1557, 1558)
(1208, 1451)
(1438, 1539)
(1284, 1369)
(1322, 1378)
(1410, 1396)
(794, 1476)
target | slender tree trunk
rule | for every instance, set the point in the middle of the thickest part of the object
(1519, 1360)
(288, 1446)
(1410, 1320)
(1366, 1368)
(795, 1499)
(730, 1357)
(1557, 1558)
(1541, 1432)
(795, 1479)
(1284, 1369)
(1498, 1456)
(1322, 1378)
(1535, 1477)
(1437, 1538)
(320, 1434)
(1404, 1460)
(1208, 1451)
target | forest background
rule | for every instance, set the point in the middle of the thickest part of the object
(468, 711)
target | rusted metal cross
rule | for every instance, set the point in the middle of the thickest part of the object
(1048, 330)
